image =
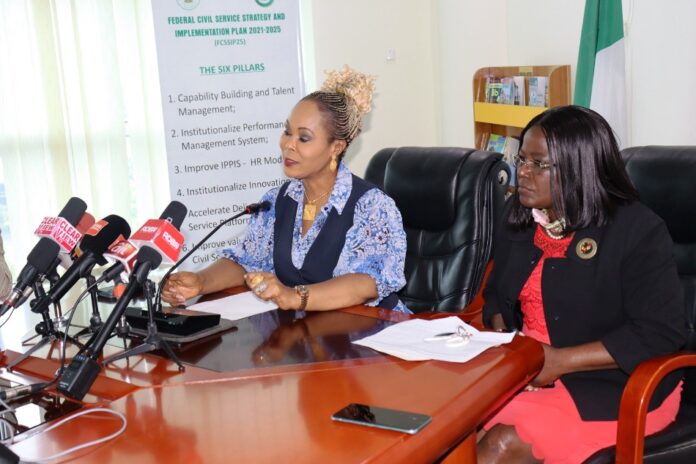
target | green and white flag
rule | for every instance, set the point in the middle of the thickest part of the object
(600, 81)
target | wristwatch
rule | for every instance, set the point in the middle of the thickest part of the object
(303, 291)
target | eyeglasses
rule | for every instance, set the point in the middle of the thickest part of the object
(459, 338)
(537, 167)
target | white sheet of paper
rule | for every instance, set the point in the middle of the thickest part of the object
(406, 340)
(235, 307)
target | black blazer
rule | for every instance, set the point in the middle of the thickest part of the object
(628, 296)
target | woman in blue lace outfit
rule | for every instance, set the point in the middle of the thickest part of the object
(329, 239)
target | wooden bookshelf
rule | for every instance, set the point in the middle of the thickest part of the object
(509, 120)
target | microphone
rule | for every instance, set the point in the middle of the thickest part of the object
(59, 230)
(85, 223)
(88, 252)
(14, 392)
(163, 234)
(122, 254)
(253, 208)
(84, 368)
(183, 324)
(160, 234)
(64, 257)
(41, 258)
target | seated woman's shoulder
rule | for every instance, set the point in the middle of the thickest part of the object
(375, 197)
(271, 195)
(635, 221)
(637, 212)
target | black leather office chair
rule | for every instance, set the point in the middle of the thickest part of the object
(666, 180)
(449, 199)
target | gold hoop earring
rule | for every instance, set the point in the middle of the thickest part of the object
(333, 165)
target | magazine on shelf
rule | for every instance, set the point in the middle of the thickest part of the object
(510, 150)
(506, 91)
(482, 141)
(496, 143)
(538, 88)
(519, 96)
(493, 88)
(511, 147)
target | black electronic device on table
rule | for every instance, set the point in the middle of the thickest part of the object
(383, 418)
(173, 321)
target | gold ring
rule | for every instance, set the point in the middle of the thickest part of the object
(261, 287)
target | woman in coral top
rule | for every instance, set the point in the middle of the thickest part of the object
(586, 269)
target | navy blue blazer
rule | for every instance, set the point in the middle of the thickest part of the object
(628, 296)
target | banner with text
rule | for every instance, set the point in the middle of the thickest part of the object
(230, 72)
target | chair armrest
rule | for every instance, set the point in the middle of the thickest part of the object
(636, 397)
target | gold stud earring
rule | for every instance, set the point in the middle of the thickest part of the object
(333, 165)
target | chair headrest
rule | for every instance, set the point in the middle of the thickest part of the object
(427, 184)
(665, 177)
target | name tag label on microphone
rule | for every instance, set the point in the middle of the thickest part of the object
(122, 251)
(161, 235)
(60, 231)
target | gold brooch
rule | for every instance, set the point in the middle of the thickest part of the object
(586, 248)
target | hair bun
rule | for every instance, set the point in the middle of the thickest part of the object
(357, 86)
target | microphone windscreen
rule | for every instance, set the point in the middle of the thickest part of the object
(86, 221)
(73, 210)
(257, 207)
(175, 213)
(104, 233)
(43, 254)
(119, 289)
(147, 254)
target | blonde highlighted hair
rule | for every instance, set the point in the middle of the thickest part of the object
(344, 98)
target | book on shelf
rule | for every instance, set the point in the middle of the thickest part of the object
(509, 146)
(506, 91)
(510, 150)
(482, 140)
(496, 143)
(518, 91)
(493, 88)
(538, 90)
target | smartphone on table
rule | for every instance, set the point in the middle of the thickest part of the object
(383, 418)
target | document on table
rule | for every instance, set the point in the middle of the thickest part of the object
(419, 340)
(235, 307)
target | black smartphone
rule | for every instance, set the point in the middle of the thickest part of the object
(383, 418)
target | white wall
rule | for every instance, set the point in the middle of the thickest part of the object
(358, 33)
(425, 96)
(661, 62)
(660, 58)
(466, 39)
(544, 32)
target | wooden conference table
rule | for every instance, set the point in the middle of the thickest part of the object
(265, 390)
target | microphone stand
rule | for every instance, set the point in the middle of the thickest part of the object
(163, 319)
(153, 341)
(250, 209)
(46, 328)
(95, 321)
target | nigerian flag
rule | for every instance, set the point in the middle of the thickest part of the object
(600, 82)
